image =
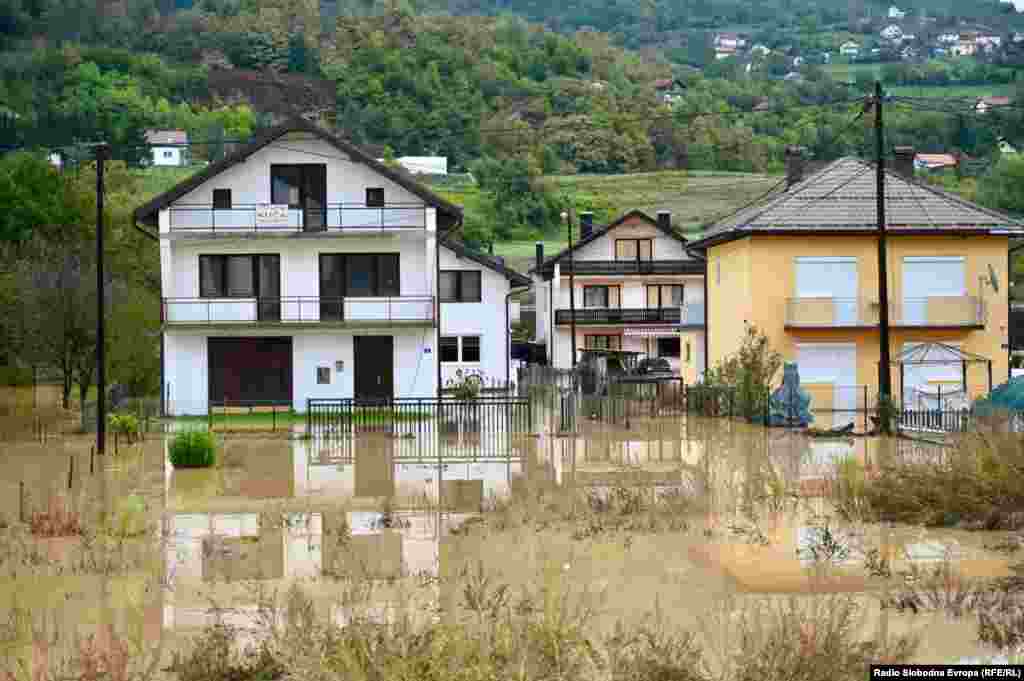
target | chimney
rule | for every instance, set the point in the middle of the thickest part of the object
(904, 163)
(586, 224)
(664, 219)
(490, 248)
(540, 253)
(794, 165)
(500, 259)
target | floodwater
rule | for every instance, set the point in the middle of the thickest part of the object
(290, 508)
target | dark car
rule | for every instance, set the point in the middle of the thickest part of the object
(654, 365)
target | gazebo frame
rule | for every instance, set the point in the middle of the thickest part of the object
(920, 355)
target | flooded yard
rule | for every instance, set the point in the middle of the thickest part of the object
(706, 521)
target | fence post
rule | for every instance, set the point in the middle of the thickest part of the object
(21, 500)
(71, 470)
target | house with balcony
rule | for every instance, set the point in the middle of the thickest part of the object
(634, 288)
(300, 267)
(168, 147)
(802, 267)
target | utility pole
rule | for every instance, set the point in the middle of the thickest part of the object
(101, 374)
(572, 287)
(884, 368)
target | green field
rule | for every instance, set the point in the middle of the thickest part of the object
(952, 91)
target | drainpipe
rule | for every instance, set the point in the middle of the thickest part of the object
(508, 333)
(704, 259)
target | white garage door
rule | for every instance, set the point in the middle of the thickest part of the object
(832, 277)
(930, 277)
(835, 364)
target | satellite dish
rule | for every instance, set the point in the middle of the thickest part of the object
(993, 279)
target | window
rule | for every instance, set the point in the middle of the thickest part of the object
(222, 199)
(449, 348)
(460, 286)
(664, 295)
(451, 345)
(239, 276)
(668, 347)
(602, 342)
(303, 187)
(359, 275)
(470, 348)
(601, 296)
(634, 249)
(323, 375)
(374, 197)
(168, 154)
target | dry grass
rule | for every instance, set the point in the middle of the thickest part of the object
(56, 521)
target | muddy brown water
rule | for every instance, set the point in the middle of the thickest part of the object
(274, 511)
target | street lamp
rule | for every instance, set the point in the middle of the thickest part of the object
(572, 288)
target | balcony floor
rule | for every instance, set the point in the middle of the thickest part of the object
(310, 325)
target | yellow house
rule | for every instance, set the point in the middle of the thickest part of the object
(802, 266)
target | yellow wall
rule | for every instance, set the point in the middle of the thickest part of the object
(758, 276)
(729, 297)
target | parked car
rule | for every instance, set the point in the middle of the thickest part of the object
(654, 366)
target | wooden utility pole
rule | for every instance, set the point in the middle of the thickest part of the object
(101, 374)
(884, 368)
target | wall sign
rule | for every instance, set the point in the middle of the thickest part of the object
(269, 215)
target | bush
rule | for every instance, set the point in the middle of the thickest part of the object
(749, 373)
(124, 424)
(193, 449)
(15, 376)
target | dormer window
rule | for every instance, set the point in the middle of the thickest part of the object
(634, 249)
(374, 197)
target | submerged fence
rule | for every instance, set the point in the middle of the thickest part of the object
(418, 416)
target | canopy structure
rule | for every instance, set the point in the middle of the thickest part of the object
(939, 354)
(651, 332)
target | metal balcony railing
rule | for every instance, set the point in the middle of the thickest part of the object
(624, 315)
(297, 310)
(935, 311)
(260, 217)
(613, 267)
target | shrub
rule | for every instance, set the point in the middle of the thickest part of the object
(749, 373)
(466, 386)
(124, 424)
(193, 449)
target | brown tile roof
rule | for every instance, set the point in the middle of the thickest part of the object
(841, 197)
(167, 137)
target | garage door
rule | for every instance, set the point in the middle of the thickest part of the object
(832, 278)
(250, 370)
(833, 366)
(930, 277)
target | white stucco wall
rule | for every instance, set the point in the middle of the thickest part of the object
(187, 376)
(346, 180)
(161, 159)
(485, 319)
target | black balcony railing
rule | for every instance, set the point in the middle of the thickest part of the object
(259, 217)
(613, 267)
(624, 315)
(297, 310)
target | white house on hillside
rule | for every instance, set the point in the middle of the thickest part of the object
(423, 165)
(636, 289)
(892, 32)
(299, 267)
(169, 147)
(849, 49)
(896, 13)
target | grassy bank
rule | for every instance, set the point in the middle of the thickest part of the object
(267, 420)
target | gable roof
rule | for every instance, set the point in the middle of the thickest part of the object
(841, 197)
(147, 213)
(170, 137)
(461, 251)
(599, 232)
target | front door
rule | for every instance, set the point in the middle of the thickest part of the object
(374, 367)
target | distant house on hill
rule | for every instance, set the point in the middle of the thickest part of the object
(984, 104)
(988, 43)
(669, 89)
(168, 147)
(932, 162)
(849, 49)
(1005, 148)
(892, 32)
(896, 13)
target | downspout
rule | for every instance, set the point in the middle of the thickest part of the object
(551, 326)
(163, 335)
(707, 357)
(508, 333)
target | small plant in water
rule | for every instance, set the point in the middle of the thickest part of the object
(193, 449)
(124, 424)
(877, 565)
(824, 546)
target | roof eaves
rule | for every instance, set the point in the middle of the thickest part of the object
(460, 250)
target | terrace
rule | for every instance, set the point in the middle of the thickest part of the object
(396, 310)
(938, 312)
(201, 218)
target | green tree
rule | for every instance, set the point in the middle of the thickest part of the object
(1003, 188)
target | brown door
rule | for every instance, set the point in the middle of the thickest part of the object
(250, 371)
(374, 367)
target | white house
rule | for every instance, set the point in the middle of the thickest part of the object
(169, 147)
(299, 267)
(849, 49)
(949, 38)
(896, 13)
(636, 289)
(988, 43)
(423, 165)
(892, 32)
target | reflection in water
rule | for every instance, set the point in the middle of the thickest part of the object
(279, 511)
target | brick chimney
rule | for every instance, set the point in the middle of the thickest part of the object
(904, 161)
(664, 219)
(586, 224)
(795, 163)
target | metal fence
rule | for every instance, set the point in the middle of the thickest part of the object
(410, 417)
